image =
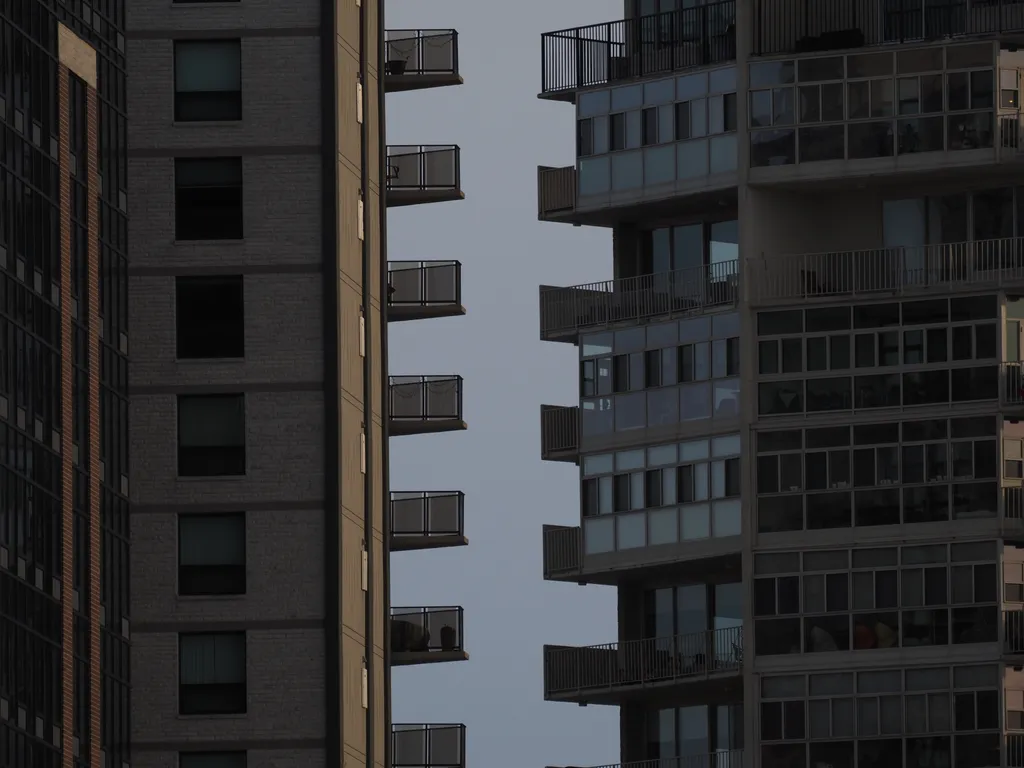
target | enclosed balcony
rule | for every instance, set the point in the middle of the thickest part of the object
(904, 271)
(802, 26)
(616, 51)
(427, 520)
(617, 672)
(559, 433)
(683, 542)
(428, 745)
(420, 290)
(424, 404)
(421, 58)
(423, 174)
(556, 193)
(564, 312)
(426, 635)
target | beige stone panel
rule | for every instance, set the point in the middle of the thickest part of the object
(76, 54)
(353, 613)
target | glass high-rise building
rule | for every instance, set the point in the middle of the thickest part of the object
(64, 671)
(798, 430)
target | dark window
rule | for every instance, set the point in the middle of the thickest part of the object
(682, 120)
(585, 137)
(210, 759)
(211, 554)
(617, 131)
(650, 126)
(207, 80)
(211, 435)
(211, 673)
(210, 317)
(208, 198)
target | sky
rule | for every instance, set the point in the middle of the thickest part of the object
(505, 132)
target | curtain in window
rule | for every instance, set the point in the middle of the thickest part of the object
(207, 172)
(211, 422)
(211, 659)
(212, 540)
(208, 66)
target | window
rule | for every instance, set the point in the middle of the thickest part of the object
(211, 554)
(210, 317)
(211, 435)
(211, 673)
(208, 198)
(210, 759)
(585, 137)
(207, 80)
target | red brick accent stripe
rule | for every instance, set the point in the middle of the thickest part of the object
(67, 516)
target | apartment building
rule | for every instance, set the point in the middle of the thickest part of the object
(798, 431)
(63, 386)
(261, 404)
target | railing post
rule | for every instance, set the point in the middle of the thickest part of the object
(579, 60)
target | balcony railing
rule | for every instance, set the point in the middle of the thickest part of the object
(563, 550)
(424, 168)
(804, 26)
(646, 45)
(422, 51)
(559, 431)
(428, 745)
(424, 287)
(556, 190)
(567, 310)
(1012, 383)
(426, 630)
(417, 514)
(732, 758)
(425, 398)
(639, 662)
(902, 270)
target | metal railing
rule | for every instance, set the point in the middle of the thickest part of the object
(563, 550)
(428, 745)
(424, 283)
(426, 630)
(1013, 503)
(556, 190)
(805, 26)
(1009, 134)
(424, 167)
(421, 51)
(559, 429)
(732, 758)
(638, 662)
(1014, 750)
(427, 513)
(981, 263)
(1012, 384)
(425, 398)
(599, 54)
(635, 298)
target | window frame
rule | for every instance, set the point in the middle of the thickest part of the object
(188, 198)
(237, 465)
(232, 348)
(239, 690)
(219, 579)
(230, 101)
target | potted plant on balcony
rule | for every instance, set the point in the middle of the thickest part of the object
(447, 638)
(396, 67)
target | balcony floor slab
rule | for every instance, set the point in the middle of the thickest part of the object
(397, 198)
(399, 313)
(408, 658)
(411, 543)
(418, 82)
(399, 427)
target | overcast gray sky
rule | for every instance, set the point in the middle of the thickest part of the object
(505, 132)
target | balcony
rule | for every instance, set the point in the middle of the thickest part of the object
(556, 193)
(1012, 387)
(559, 433)
(428, 745)
(421, 290)
(611, 673)
(979, 265)
(424, 404)
(721, 759)
(421, 58)
(563, 552)
(690, 540)
(1013, 632)
(426, 635)
(427, 520)
(603, 54)
(802, 26)
(423, 174)
(564, 312)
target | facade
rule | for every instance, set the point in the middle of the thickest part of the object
(261, 403)
(798, 431)
(63, 387)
